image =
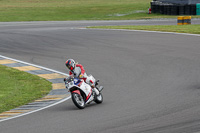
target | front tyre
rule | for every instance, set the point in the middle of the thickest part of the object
(99, 98)
(78, 100)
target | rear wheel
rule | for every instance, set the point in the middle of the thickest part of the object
(99, 98)
(78, 100)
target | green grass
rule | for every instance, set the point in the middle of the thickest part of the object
(19, 88)
(193, 29)
(59, 10)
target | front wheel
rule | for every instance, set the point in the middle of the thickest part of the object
(99, 98)
(78, 100)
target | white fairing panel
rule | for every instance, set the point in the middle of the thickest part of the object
(86, 88)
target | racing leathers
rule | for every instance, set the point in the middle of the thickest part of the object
(79, 72)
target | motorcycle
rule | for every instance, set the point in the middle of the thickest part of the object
(81, 92)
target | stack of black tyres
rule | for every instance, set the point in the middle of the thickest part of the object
(162, 9)
(169, 7)
(187, 9)
(193, 9)
(153, 7)
(157, 7)
(174, 10)
(168, 10)
(165, 9)
(181, 9)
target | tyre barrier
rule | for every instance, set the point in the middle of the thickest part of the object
(165, 9)
(181, 9)
(193, 9)
(168, 10)
(153, 10)
(187, 9)
(161, 9)
(183, 20)
(173, 9)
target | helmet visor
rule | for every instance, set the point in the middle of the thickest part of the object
(69, 66)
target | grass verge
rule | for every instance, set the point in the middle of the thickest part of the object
(19, 88)
(192, 29)
(60, 10)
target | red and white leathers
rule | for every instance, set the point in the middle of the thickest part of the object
(79, 72)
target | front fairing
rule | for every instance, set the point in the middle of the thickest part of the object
(73, 83)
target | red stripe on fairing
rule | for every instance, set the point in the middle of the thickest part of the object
(77, 91)
(89, 95)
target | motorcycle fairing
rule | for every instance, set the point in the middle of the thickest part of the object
(88, 97)
(86, 88)
(76, 91)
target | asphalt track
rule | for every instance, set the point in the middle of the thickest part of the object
(151, 80)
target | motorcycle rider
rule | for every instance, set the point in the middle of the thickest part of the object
(77, 70)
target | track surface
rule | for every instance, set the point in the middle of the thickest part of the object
(151, 80)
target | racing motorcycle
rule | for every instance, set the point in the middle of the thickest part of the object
(81, 92)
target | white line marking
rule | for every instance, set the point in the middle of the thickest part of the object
(40, 108)
(162, 32)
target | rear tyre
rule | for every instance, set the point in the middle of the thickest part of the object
(99, 98)
(78, 100)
